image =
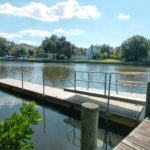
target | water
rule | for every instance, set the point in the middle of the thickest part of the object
(62, 75)
(58, 131)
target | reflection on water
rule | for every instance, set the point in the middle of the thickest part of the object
(56, 131)
(106, 139)
(61, 75)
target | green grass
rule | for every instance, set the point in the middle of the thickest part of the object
(105, 60)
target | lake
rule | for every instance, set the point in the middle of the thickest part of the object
(57, 130)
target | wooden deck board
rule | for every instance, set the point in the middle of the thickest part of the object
(138, 139)
(119, 108)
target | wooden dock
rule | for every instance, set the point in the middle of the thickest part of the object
(138, 139)
(133, 98)
(120, 112)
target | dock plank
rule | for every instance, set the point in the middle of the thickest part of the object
(139, 138)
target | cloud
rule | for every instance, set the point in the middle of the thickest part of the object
(10, 36)
(43, 33)
(69, 32)
(62, 10)
(124, 16)
(33, 33)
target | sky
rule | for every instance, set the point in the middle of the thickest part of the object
(83, 22)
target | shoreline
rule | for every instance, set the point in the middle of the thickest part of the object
(144, 64)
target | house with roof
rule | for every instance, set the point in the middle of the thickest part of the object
(92, 52)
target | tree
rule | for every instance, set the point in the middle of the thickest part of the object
(105, 51)
(13, 52)
(116, 53)
(3, 47)
(58, 46)
(135, 48)
(16, 131)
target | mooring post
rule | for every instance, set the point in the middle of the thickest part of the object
(89, 126)
(147, 106)
(22, 76)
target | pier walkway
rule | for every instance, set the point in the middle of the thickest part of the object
(133, 98)
(138, 139)
(120, 112)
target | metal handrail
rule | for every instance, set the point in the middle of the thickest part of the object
(116, 83)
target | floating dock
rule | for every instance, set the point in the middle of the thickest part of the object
(120, 112)
(138, 139)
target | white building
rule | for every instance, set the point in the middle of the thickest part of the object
(92, 51)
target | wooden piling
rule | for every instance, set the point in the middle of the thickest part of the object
(147, 106)
(89, 126)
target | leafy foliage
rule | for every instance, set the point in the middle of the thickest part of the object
(16, 131)
(58, 46)
(135, 48)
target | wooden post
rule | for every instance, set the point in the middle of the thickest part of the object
(89, 126)
(147, 106)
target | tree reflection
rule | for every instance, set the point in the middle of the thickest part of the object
(57, 74)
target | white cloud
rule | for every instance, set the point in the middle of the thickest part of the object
(10, 36)
(33, 33)
(69, 32)
(62, 10)
(124, 16)
(43, 33)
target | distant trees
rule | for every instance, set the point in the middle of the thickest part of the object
(105, 51)
(5, 46)
(135, 48)
(58, 46)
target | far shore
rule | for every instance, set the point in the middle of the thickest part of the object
(82, 61)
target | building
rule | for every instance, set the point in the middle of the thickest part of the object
(92, 52)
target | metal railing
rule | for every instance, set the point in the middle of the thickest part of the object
(116, 81)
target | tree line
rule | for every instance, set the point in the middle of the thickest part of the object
(133, 49)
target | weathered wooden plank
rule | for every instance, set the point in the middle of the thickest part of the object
(139, 138)
(123, 146)
(132, 144)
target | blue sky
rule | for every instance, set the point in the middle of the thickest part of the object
(83, 22)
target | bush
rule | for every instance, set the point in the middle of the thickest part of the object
(16, 131)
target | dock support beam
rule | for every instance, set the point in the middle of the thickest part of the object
(147, 106)
(89, 126)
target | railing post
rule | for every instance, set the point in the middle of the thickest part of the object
(88, 85)
(89, 126)
(43, 81)
(147, 106)
(105, 83)
(75, 81)
(22, 77)
(116, 83)
(109, 88)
